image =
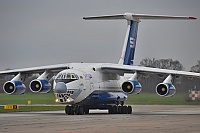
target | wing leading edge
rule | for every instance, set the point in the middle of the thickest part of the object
(121, 69)
(52, 68)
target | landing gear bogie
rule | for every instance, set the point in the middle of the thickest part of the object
(112, 109)
(120, 110)
(78, 110)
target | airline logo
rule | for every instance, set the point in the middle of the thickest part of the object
(87, 76)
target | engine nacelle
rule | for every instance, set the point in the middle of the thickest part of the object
(131, 87)
(40, 86)
(14, 87)
(165, 89)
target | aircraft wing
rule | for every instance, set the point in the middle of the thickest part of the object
(121, 69)
(41, 69)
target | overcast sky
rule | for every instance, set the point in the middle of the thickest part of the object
(44, 32)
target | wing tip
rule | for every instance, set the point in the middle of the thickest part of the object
(192, 17)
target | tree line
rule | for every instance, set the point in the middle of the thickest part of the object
(182, 83)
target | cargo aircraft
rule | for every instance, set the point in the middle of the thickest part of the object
(85, 86)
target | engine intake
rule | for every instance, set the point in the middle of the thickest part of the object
(165, 89)
(40, 86)
(14, 87)
(131, 87)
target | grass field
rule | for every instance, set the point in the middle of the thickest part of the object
(32, 108)
(49, 99)
(154, 99)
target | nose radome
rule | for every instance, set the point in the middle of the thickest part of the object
(60, 87)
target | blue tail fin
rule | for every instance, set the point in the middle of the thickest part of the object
(127, 57)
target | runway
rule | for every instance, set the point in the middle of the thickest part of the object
(145, 118)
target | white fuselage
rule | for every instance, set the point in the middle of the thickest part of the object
(82, 79)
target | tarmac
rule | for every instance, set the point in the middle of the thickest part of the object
(145, 118)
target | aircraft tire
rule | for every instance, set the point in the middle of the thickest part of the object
(129, 110)
(114, 109)
(124, 109)
(67, 109)
(110, 110)
(86, 110)
(80, 110)
(77, 110)
(71, 111)
(120, 110)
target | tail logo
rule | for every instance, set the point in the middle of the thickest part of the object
(132, 44)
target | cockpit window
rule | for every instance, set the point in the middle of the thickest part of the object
(67, 76)
(73, 77)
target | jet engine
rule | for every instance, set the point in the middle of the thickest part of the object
(131, 87)
(14, 87)
(40, 86)
(165, 89)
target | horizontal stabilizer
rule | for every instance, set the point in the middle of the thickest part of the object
(128, 51)
(137, 17)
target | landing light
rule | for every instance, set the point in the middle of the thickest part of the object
(56, 100)
(68, 100)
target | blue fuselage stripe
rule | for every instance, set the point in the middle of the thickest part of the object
(97, 98)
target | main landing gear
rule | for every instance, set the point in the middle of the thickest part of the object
(76, 110)
(120, 109)
(112, 109)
